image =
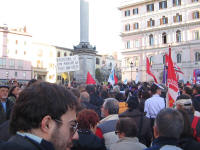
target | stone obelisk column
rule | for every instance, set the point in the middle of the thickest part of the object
(85, 51)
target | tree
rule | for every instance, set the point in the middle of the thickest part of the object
(98, 75)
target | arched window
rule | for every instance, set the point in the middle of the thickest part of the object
(178, 36)
(197, 56)
(164, 38)
(97, 61)
(65, 54)
(58, 54)
(178, 58)
(150, 39)
(127, 27)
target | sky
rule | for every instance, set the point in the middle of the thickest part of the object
(57, 21)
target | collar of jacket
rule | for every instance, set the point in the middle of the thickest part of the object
(110, 117)
(128, 139)
(165, 141)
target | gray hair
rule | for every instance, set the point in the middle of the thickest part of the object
(170, 123)
(112, 105)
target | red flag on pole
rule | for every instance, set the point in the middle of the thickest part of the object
(90, 80)
(149, 71)
(172, 82)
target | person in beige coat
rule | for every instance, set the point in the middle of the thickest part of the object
(126, 130)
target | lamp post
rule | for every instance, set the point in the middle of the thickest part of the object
(131, 64)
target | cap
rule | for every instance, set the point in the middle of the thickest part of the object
(4, 86)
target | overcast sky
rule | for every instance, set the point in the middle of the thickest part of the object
(57, 21)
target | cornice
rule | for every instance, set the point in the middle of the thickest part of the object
(159, 28)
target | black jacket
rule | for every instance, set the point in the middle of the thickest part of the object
(188, 143)
(88, 141)
(19, 142)
(6, 115)
(143, 124)
(4, 131)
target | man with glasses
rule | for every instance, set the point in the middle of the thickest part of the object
(43, 118)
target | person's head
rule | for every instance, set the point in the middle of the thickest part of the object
(184, 102)
(156, 89)
(196, 90)
(109, 107)
(87, 119)
(104, 94)
(84, 97)
(133, 103)
(48, 111)
(76, 92)
(126, 127)
(187, 90)
(187, 130)
(81, 88)
(90, 89)
(31, 82)
(4, 92)
(14, 91)
(168, 123)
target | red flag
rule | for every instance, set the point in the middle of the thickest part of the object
(115, 78)
(149, 71)
(90, 80)
(170, 51)
(172, 82)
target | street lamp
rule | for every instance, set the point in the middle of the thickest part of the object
(131, 64)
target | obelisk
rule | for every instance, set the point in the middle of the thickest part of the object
(85, 51)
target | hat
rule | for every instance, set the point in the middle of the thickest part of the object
(4, 86)
(186, 103)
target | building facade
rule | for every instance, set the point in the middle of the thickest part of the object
(15, 54)
(150, 26)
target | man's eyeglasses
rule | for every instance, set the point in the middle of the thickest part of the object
(117, 132)
(73, 126)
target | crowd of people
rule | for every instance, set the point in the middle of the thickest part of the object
(47, 116)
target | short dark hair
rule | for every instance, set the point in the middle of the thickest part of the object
(37, 101)
(87, 118)
(170, 123)
(11, 90)
(127, 126)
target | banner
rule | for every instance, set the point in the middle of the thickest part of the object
(67, 64)
(196, 76)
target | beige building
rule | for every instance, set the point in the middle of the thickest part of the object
(148, 27)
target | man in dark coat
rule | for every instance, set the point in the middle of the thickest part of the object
(5, 104)
(43, 118)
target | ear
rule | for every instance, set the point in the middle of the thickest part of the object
(46, 124)
(155, 131)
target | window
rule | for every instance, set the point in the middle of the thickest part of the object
(20, 64)
(178, 58)
(24, 52)
(164, 38)
(128, 45)
(110, 65)
(127, 27)
(163, 20)
(136, 26)
(136, 61)
(150, 7)
(97, 61)
(12, 63)
(178, 18)
(176, 2)
(151, 23)
(136, 43)
(196, 35)
(197, 56)
(163, 59)
(24, 42)
(135, 11)
(16, 51)
(151, 60)
(15, 74)
(163, 5)
(39, 64)
(195, 0)
(16, 42)
(58, 54)
(127, 13)
(24, 74)
(65, 54)
(178, 36)
(151, 40)
(2, 62)
(195, 15)
(40, 53)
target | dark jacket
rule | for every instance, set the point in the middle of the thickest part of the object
(162, 141)
(88, 105)
(88, 141)
(19, 142)
(4, 131)
(143, 123)
(189, 143)
(6, 115)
